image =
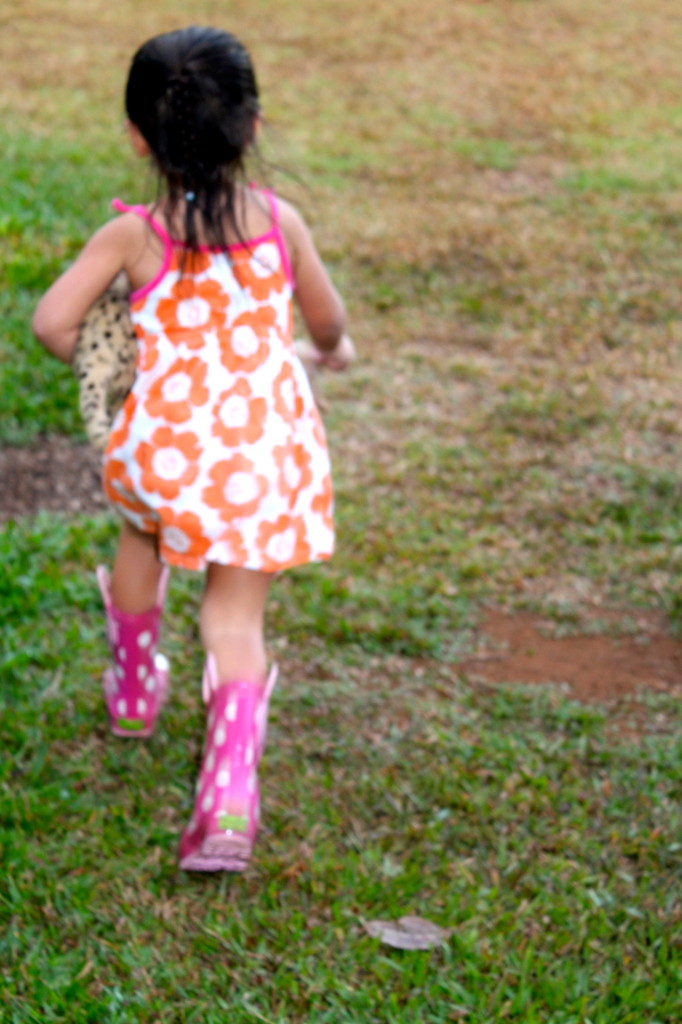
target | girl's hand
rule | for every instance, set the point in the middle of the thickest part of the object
(337, 358)
(341, 356)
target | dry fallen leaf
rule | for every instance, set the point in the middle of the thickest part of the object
(408, 933)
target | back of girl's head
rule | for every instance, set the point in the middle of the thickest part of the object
(193, 96)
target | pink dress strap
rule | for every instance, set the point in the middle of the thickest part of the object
(277, 233)
(168, 244)
(158, 229)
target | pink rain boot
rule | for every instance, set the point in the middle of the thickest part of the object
(137, 685)
(222, 830)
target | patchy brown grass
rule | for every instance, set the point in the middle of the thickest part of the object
(496, 187)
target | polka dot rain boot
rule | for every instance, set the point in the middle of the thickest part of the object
(222, 830)
(136, 685)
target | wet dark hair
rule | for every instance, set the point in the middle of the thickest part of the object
(193, 96)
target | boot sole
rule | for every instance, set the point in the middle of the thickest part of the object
(219, 853)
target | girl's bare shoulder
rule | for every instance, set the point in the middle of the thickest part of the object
(289, 216)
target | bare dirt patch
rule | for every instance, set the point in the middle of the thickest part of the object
(52, 475)
(615, 671)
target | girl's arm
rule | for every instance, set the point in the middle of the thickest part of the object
(60, 312)
(320, 304)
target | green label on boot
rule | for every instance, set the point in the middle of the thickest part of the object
(232, 822)
(130, 724)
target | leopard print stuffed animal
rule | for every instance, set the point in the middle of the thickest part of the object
(104, 361)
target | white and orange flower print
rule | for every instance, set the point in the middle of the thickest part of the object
(323, 503)
(122, 422)
(147, 351)
(319, 436)
(283, 542)
(174, 395)
(117, 482)
(230, 548)
(259, 270)
(183, 533)
(288, 401)
(236, 490)
(119, 489)
(238, 416)
(246, 345)
(294, 472)
(168, 462)
(193, 308)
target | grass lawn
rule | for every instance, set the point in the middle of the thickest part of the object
(496, 187)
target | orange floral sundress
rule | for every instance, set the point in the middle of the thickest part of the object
(219, 449)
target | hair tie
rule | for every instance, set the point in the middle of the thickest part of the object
(190, 197)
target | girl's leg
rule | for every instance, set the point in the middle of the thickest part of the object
(136, 684)
(232, 614)
(222, 830)
(136, 573)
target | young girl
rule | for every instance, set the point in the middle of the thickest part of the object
(218, 459)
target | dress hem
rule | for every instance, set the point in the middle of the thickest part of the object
(199, 564)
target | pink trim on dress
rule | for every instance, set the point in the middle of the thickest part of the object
(277, 232)
(169, 243)
(144, 213)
